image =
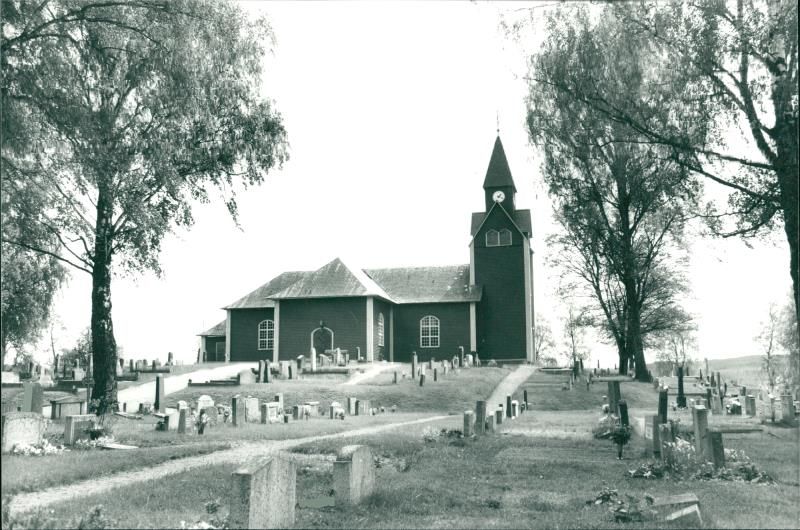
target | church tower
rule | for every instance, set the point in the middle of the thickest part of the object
(500, 263)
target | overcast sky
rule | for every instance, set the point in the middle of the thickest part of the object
(391, 111)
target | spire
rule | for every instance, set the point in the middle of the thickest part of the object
(498, 174)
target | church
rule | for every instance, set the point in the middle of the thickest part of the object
(485, 306)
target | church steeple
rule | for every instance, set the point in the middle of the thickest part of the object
(498, 183)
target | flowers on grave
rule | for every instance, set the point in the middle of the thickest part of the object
(93, 443)
(42, 448)
(225, 411)
(648, 470)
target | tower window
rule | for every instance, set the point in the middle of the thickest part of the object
(492, 238)
(505, 237)
(266, 335)
(380, 329)
(429, 332)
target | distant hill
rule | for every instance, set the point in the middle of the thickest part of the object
(746, 369)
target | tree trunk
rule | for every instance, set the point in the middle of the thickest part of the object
(104, 346)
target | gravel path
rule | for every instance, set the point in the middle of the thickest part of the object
(36, 500)
(370, 372)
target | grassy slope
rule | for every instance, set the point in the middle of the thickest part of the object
(454, 393)
(497, 481)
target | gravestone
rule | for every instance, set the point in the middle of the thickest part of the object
(717, 451)
(212, 413)
(203, 402)
(352, 406)
(313, 407)
(787, 408)
(237, 411)
(261, 369)
(750, 405)
(313, 359)
(663, 405)
(251, 412)
(498, 415)
(66, 406)
(514, 408)
(335, 410)
(78, 374)
(33, 398)
(430, 363)
(76, 427)
(184, 416)
(508, 406)
(490, 422)
(468, 360)
(435, 374)
(394, 379)
(622, 407)
(353, 475)
(247, 377)
(172, 420)
(700, 422)
(279, 400)
(480, 417)
(651, 424)
(716, 405)
(267, 372)
(666, 438)
(297, 412)
(461, 356)
(421, 379)
(613, 395)
(269, 412)
(525, 398)
(362, 407)
(159, 403)
(681, 399)
(182, 404)
(118, 369)
(469, 423)
(263, 494)
(292, 371)
(284, 369)
(22, 428)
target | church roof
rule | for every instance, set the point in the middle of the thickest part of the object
(521, 217)
(218, 330)
(498, 174)
(335, 279)
(262, 297)
(409, 285)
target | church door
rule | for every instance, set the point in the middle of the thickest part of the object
(322, 339)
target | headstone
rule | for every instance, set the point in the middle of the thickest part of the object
(430, 363)
(292, 371)
(203, 402)
(700, 421)
(212, 414)
(352, 406)
(297, 412)
(172, 420)
(514, 408)
(261, 369)
(251, 412)
(313, 407)
(435, 374)
(76, 427)
(237, 411)
(508, 406)
(716, 405)
(279, 400)
(461, 356)
(681, 399)
(480, 417)
(469, 423)
(313, 359)
(717, 450)
(335, 410)
(184, 415)
(159, 403)
(622, 408)
(284, 368)
(613, 395)
(170, 359)
(651, 434)
(22, 428)
(263, 494)
(414, 365)
(353, 475)
(468, 360)
(663, 405)
(33, 398)
(490, 422)
(666, 438)
(78, 374)
(119, 368)
(498, 415)
(421, 379)
(787, 408)
(247, 377)
(525, 398)
(269, 412)
(69, 406)
(362, 407)
(394, 379)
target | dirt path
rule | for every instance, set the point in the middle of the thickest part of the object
(509, 385)
(371, 372)
(30, 501)
(36, 500)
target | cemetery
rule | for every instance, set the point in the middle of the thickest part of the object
(351, 455)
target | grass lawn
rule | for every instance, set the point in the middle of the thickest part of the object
(500, 481)
(32, 473)
(545, 393)
(453, 393)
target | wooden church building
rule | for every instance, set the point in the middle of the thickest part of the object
(485, 306)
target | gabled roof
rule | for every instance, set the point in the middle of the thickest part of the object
(498, 174)
(262, 297)
(522, 218)
(410, 285)
(335, 279)
(217, 330)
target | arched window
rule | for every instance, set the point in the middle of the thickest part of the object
(380, 329)
(505, 237)
(492, 238)
(266, 335)
(429, 332)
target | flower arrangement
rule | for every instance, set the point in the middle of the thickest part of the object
(43, 448)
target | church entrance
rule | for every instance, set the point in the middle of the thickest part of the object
(322, 339)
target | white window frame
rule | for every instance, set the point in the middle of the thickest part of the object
(500, 241)
(380, 330)
(266, 335)
(429, 332)
(494, 240)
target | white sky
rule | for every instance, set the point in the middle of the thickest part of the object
(391, 112)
